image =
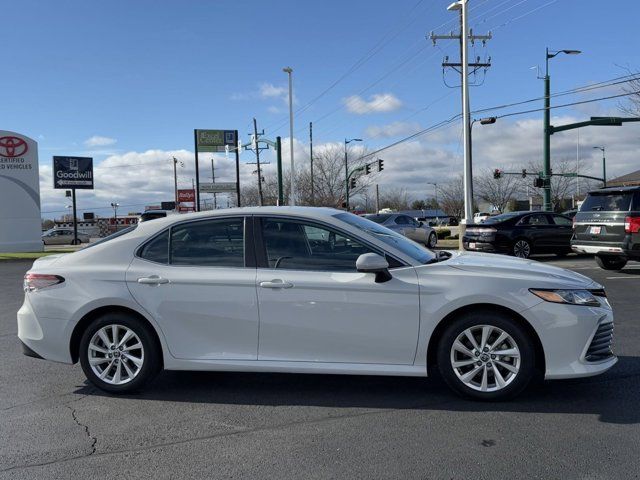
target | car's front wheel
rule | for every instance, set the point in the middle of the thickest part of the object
(611, 263)
(521, 248)
(118, 353)
(433, 240)
(486, 356)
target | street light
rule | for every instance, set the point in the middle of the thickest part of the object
(115, 214)
(346, 170)
(546, 170)
(604, 167)
(292, 194)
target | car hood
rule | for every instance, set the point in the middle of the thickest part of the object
(492, 265)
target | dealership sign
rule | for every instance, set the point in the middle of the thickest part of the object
(186, 196)
(218, 187)
(20, 220)
(73, 172)
(215, 140)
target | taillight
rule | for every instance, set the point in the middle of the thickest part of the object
(38, 281)
(632, 224)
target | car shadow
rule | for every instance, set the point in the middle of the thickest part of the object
(612, 396)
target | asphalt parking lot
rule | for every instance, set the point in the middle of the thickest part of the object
(225, 425)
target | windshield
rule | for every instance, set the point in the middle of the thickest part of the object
(502, 217)
(117, 234)
(391, 238)
(607, 202)
(377, 218)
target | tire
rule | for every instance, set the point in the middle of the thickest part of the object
(433, 240)
(514, 377)
(137, 365)
(611, 263)
(521, 248)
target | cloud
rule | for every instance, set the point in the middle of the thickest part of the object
(99, 141)
(269, 90)
(380, 102)
(394, 129)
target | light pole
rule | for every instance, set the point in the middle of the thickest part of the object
(546, 169)
(346, 170)
(604, 167)
(292, 194)
(175, 180)
(115, 214)
(435, 189)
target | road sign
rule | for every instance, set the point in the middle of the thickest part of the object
(73, 172)
(218, 187)
(215, 140)
(186, 195)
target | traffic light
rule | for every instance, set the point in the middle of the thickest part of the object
(367, 169)
(497, 173)
(524, 173)
(353, 183)
(380, 164)
(538, 182)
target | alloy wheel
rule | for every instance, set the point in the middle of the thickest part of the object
(116, 354)
(522, 249)
(485, 358)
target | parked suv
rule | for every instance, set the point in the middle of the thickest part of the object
(608, 225)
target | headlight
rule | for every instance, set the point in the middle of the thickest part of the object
(571, 297)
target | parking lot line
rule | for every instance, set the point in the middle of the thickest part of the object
(620, 278)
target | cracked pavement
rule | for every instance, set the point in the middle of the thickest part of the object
(223, 425)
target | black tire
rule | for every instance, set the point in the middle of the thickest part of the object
(433, 240)
(611, 263)
(152, 358)
(520, 380)
(521, 248)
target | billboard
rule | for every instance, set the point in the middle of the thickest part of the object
(73, 172)
(218, 187)
(186, 196)
(215, 140)
(20, 221)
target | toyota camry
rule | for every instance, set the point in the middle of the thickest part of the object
(309, 290)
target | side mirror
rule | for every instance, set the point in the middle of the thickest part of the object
(374, 263)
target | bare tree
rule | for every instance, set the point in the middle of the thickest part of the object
(632, 105)
(496, 191)
(394, 199)
(451, 197)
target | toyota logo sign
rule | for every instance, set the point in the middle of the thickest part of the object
(12, 147)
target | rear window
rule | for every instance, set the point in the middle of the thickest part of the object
(502, 217)
(117, 234)
(607, 202)
(377, 218)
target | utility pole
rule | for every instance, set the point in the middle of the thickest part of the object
(257, 147)
(213, 180)
(292, 193)
(279, 168)
(377, 199)
(313, 202)
(464, 65)
(175, 181)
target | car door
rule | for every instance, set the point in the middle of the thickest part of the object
(315, 307)
(562, 232)
(537, 229)
(406, 226)
(197, 280)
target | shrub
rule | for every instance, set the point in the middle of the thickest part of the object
(443, 233)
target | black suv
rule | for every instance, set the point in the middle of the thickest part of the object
(608, 225)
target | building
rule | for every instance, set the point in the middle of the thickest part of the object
(629, 180)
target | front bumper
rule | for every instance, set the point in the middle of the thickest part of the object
(566, 333)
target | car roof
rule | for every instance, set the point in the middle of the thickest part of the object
(307, 212)
(603, 191)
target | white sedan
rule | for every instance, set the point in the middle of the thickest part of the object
(309, 290)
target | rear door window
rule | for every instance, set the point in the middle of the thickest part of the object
(609, 202)
(217, 243)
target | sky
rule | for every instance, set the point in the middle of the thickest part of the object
(126, 82)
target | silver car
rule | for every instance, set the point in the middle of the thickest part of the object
(62, 236)
(407, 226)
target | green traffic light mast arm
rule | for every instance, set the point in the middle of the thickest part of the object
(601, 121)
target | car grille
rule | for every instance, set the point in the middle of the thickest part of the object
(600, 347)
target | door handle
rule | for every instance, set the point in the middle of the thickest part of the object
(153, 280)
(276, 284)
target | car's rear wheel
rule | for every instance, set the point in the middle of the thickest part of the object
(433, 240)
(611, 263)
(486, 356)
(521, 248)
(118, 353)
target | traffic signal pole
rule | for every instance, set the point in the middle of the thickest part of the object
(546, 168)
